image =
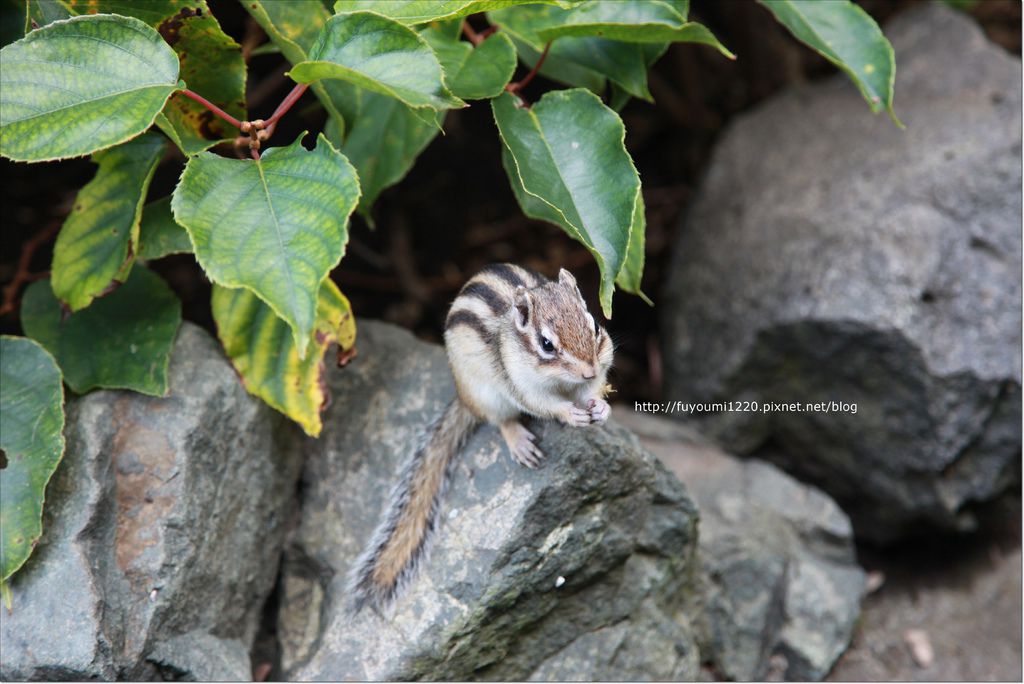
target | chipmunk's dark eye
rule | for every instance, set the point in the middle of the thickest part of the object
(597, 328)
(546, 344)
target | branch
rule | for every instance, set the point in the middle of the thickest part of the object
(21, 275)
(256, 131)
(514, 88)
(286, 104)
(474, 37)
(254, 35)
(212, 107)
(259, 131)
(477, 38)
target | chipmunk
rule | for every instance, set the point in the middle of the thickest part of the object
(517, 343)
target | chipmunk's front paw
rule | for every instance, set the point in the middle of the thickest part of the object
(574, 416)
(599, 411)
(520, 445)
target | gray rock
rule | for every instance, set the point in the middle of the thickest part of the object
(832, 257)
(165, 516)
(782, 589)
(201, 657)
(580, 568)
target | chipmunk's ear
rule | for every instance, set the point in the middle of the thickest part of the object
(566, 278)
(522, 308)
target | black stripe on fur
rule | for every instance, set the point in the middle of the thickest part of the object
(495, 302)
(470, 320)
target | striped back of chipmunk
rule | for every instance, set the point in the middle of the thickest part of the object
(487, 296)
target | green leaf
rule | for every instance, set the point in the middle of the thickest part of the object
(525, 22)
(847, 36)
(159, 235)
(680, 6)
(630, 274)
(633, 265)
(448, 28)
(424, 11)
(618, 98)
(293, 27)
(32, 439)
(473, 73)
(211, 63)
(585, 53)
(383, 144)
(451, 52)
(395, 62)
(533, 206)
(650, 21)
(487, 70)
(653, 52)
(43, 12)
(583, 62)
(122, 341)
(276, 226)
(265, 356)
(265, 49)
(99, 238)
(568, 153)
(149, 11)
(650, 53)
(59, 96)
(623, 63)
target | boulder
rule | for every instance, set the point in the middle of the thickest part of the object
(201, 657)
(582, 568)
(165, 517)
(869, 278)
(781, 589)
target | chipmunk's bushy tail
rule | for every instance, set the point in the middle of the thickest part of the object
(412, 515)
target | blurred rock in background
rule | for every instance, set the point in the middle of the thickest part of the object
(830, 256)
(781, 588)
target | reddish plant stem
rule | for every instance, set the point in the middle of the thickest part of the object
(258, 130)
(253, 36)
(474, 37)
(21, 275)
(286, 104)
(525, 81)
(212, 107)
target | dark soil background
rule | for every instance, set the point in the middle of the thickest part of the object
(454, 212)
